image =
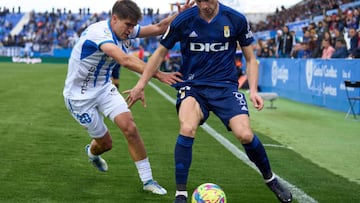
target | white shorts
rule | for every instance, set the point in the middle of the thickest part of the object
(90, 112)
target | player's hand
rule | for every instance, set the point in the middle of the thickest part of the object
(257, 101)
(169, 78)
(134, 95)
(187, 5)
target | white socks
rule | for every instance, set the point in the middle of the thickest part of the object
(144, 170)
(91, 156)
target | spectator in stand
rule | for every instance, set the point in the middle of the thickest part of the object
(337, 34)
(356, 53)
(266, 52)
(340, 23)
(141, 52)
(354, 38)
(327, 50)
(303, 51)
(331, 21)
(321, 29)
(258, 47)
(272, 45)
(306, 36)
(340, 49)
(28, 48)
(295, 51)
(327, 36)
(285, 43)
(279, 34)
(351, 19)
(357, 16)
(295, 39)
(315, 44)
(312, 26)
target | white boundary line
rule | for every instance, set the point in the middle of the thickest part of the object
(297, 193)
(277, 146)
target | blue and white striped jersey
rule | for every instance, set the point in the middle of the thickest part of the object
(89, 69)
(208, 49)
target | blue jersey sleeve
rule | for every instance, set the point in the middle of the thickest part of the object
(245, 36)
(170, 37)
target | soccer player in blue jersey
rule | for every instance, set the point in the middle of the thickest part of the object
(90, 95)
(208, 34)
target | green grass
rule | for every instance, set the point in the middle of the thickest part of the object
(43, 159)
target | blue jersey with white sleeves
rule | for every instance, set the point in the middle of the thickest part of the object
(89, 68)
(208, 48)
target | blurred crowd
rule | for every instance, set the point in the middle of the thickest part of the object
(44, 31)
(58, 29)
(306, 9)
(334, 36)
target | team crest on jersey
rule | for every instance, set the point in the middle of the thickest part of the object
(182, 95)
(226, 31)
(107, 33)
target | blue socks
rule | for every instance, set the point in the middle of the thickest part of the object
(256, 153)
(183, 157)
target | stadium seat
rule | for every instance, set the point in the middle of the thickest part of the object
(269, 96)
(352, 89)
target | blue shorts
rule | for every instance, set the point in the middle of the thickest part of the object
(223, 101)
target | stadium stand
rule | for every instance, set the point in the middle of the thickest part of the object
(308, 22)
(9, 22)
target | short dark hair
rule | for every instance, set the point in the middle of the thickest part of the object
(127, 9)
(341, 40)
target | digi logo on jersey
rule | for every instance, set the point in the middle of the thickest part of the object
(209, 47)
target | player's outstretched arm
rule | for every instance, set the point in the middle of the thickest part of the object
(137, 92)
(169, 78)
(252, 75)
(129, 61)
(161, 27)
(135, 64)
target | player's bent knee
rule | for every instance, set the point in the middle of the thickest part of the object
(245, 138)
(187, 130)
(131, 133)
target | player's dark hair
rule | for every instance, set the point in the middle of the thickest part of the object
(127, 9)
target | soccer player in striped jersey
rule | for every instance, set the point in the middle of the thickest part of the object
(90, 95)
(208, 34)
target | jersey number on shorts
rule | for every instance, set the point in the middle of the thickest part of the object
(83, 118)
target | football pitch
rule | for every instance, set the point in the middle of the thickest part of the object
(314, 150)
